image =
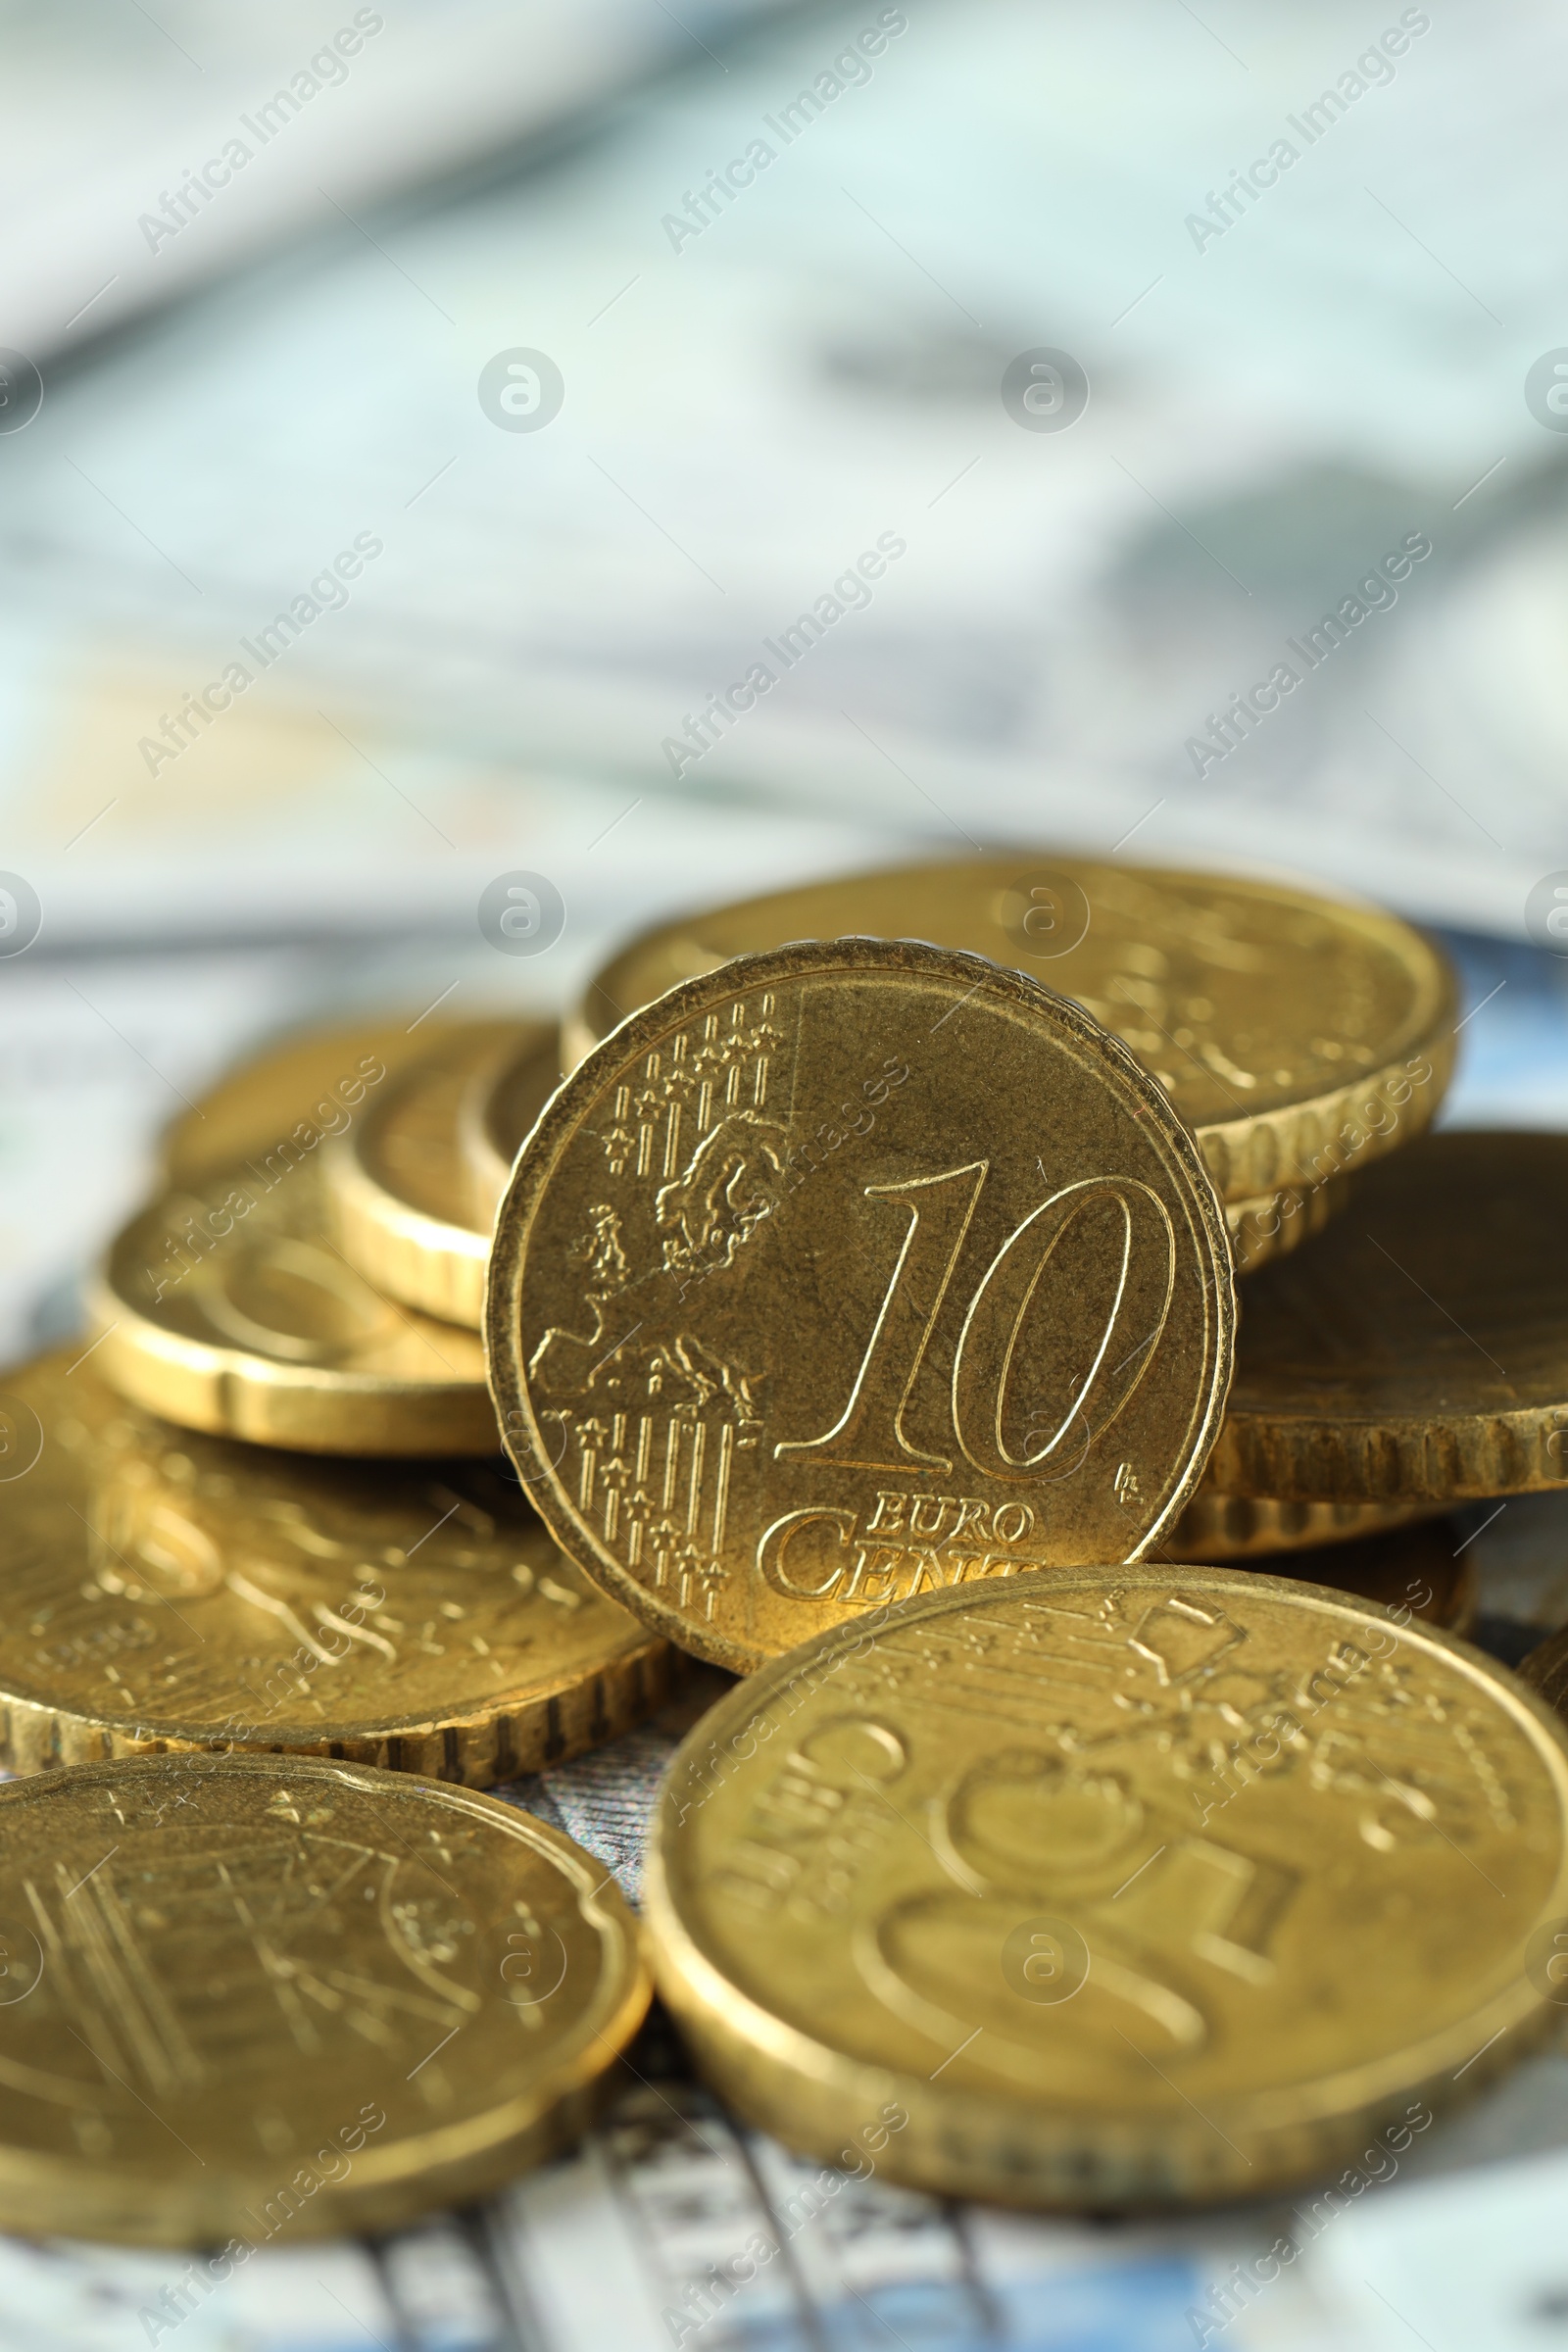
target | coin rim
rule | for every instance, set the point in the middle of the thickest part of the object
(450, 2162)
(487, 1173)
(1254, 1152)
(416, 1257)
(778, 2074)
(1427, 1459)
(561, 1119)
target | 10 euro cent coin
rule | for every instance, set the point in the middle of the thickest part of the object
(849, 1272)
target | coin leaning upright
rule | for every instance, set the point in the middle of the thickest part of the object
(847, 1271)
(1113, 1891)
(254, 1997)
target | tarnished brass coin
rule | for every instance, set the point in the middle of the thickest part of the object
(226, 1306)
(1272, 1224)
(161, 1589)
(292, 1097)
(499, 1108)
(848, 1272)
(1419, 1353)
(252, 2000)
(397, 1185)
(1112, 1890)
(1239, 1527)
(1297, 1035)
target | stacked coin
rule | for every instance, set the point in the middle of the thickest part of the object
(858, 1314)
(271, 1587)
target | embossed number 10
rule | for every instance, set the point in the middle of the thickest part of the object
(870, 1432)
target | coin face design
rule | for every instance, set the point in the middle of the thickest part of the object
(1123, 1891)
(1419, 1353)
(849, 1272)
(161, 1586)
(227, 1307)
(1297, 1035)
(271, 1999)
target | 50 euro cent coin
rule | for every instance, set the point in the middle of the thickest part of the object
(847, 1272)
(1130, 1889)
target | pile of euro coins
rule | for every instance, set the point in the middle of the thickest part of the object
(1014, 1321)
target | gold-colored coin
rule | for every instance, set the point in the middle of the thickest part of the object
(1272, 1224)
(1095, 1890)
(289, 1099)
(1298, 1035)
(495, 1116)
(847, 1271)
(161, 1588)
(397, 1186)
(226, 1306)
(1419, 1351)
(251, 2000)
(1240, 1527)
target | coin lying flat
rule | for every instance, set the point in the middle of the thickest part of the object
(1419, 1351)
(397, 1187)
(1297, 1035)
(848, 1272)
(159, 1588)
(255, 1999)
(226, 1306)
(1217, 1527)
(495, 1116)
(291, 1096)
(1272, 1224)
(1105, 1892)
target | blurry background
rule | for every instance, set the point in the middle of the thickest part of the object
(1306, 263)
(458, 356)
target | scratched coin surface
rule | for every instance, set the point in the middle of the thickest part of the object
(1418, 1352)
(276, 1999)
(159, 1586)
(1299, 1036)
(292, 1096)
(849, 1272)
(226, 1305)
(1171, 1887)
(499, 1108)
(397, 1185)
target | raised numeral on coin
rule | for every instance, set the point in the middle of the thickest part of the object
(870, 1432)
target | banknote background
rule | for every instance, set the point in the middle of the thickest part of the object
(228, 408)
